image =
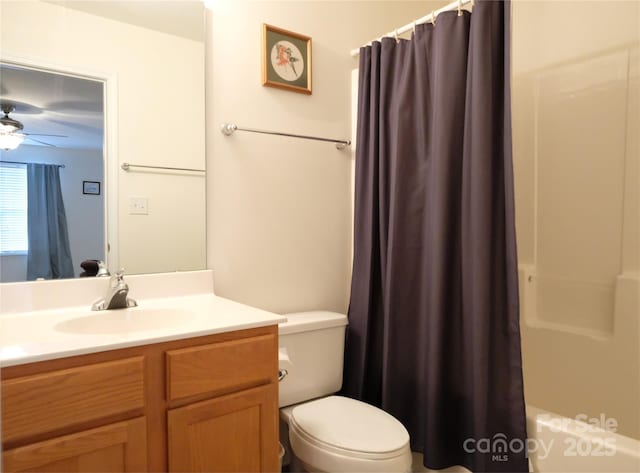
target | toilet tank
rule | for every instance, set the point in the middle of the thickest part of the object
(314, 344)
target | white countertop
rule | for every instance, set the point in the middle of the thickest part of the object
(40, 335)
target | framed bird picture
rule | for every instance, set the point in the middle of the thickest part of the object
(286, 60)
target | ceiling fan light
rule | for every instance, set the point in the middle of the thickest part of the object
(7, 127)
(9, 141)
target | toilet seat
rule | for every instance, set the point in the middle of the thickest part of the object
(341, 434)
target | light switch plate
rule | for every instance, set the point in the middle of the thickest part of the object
(138, 206)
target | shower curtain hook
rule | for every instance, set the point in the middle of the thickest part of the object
(414, 27)
(395, 35)
(459, 7)
(433, 17)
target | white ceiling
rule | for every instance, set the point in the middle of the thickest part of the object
(183, 18)
(54, 104)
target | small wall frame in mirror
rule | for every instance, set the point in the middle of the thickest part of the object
(91, 187)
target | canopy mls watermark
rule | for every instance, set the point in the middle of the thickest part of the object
(499, 446)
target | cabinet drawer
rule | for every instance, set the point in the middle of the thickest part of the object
(222, 366)
(55, 400)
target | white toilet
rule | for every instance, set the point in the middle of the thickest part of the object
(333, 433)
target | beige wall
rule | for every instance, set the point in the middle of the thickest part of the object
(279, 209)
(575, 118)
(160, 120)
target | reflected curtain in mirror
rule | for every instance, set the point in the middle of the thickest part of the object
(49, 250)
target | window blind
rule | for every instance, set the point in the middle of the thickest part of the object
(13, 209)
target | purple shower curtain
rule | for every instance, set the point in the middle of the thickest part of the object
(434, 334)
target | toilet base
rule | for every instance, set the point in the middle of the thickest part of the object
(290, 463)
(297, 466)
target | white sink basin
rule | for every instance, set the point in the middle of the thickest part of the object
(135, 319)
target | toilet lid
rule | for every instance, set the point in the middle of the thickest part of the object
(350, 425)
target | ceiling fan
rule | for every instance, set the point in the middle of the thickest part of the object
(11, 134)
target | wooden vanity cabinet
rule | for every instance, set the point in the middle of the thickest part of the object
(200, 404)
(223, 433)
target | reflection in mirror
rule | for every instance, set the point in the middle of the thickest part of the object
(51, 175)
(143, 65)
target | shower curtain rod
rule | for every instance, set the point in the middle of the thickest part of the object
(425, 19)
(22, 162)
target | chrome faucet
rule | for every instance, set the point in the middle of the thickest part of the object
(117, 295)
(102, 270)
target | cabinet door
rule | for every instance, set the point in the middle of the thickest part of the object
(120, 447)
(233, 433)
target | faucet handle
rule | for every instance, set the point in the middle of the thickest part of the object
(118, 277)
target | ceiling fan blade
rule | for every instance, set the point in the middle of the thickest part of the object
(41, 142)
(92, 106)
(44, 134)
(84, 127)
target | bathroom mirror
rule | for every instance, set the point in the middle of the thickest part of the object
(104, 103)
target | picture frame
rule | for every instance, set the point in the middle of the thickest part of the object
(286, 60)
(91, 187)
